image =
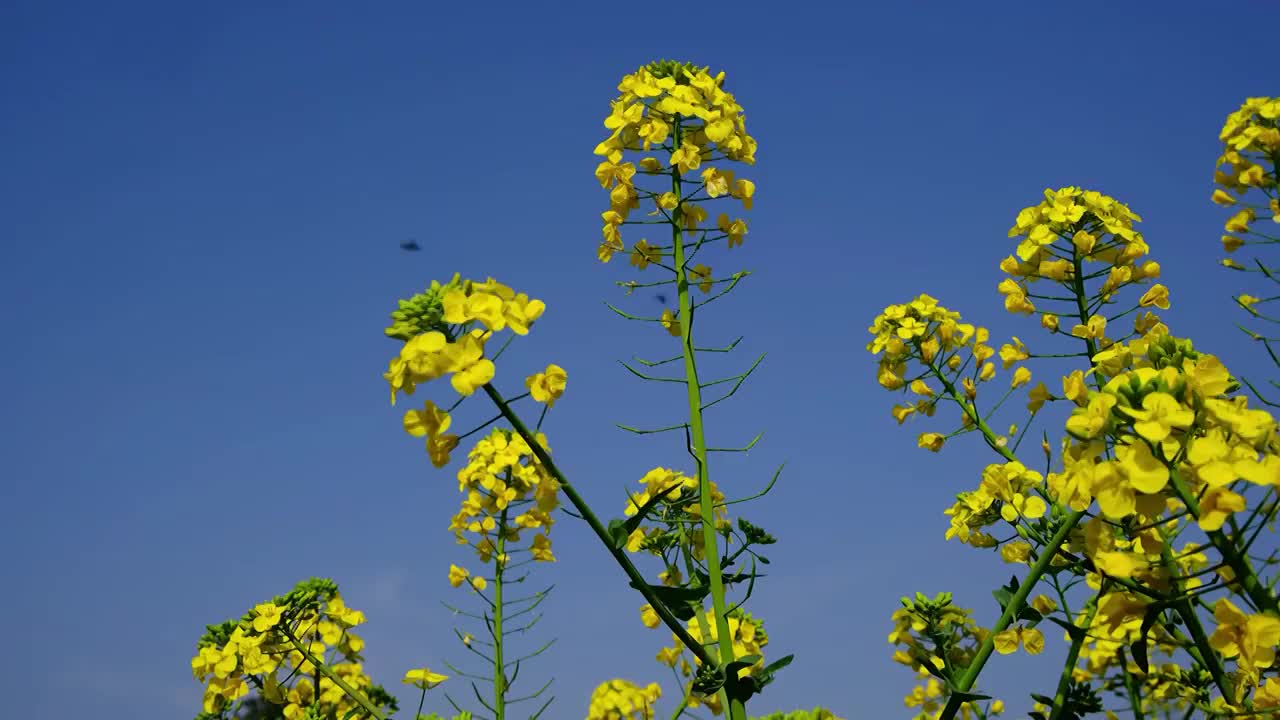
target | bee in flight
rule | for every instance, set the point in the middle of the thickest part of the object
(410, 246)
(660, 297)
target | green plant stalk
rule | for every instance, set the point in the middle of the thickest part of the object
(1135, 698)
(499, 670)
(325, 670)
(703, 626)
(1240, 566)
(970, 676)
(579, 504)
(1064, 682)
(684, 703)
(706, 505)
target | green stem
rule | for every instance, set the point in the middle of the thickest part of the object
(326, 671)
(706, 504)
(499, 668)
(1135, 698)
(618, 553)
(1240, 565)
(1064, 682)
(970, 676)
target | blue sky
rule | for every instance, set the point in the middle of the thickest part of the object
(201, 208)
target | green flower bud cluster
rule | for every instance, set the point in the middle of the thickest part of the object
(681, 71)
(422, 312)
(1130, 394)
(1169, 351)
(306, 594)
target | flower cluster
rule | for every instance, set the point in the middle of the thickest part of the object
(1007, 492)
(1174, 434)
(685, 113)
(1247, 182)
(746, 633)
(678, 506)
(623, 700)
(1251, 144)
(935, 638)
(1157, 442)
(274, 647)
(1058, 238)
(451, 345)
(924, 348)
(506, 490)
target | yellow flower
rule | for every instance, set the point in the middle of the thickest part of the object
(701, 274)
(1157, 295)
(1239, 223)
(1161, 413)
(1119, 564)
(643, 254)
(1216, 506)
(1095, 329)
(1037, 397)
(931, 441)
(1252, 638)
(988, 372)
(716, 182)
(1013, 353)
(686, 158)
(649, 616)
(745, 191)
(423, 678)
(1015, 552)
(457, 575)
(1021, 377)
(670, 322)
(341, 614)
(431, 420)
(1089, 421)
(266, 616)
(734, 229)
(1031, 639)
(548, 385)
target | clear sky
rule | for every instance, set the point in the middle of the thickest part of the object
(200, 206)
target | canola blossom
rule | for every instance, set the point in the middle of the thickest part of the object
(1157, 444)
(1131, 521)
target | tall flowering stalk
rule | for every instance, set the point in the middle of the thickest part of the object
(507, 493)
(1246, 183)
(1137, 528)
(295, 652)
(682, 123)
(511, 485)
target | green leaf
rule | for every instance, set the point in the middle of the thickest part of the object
(1139, 646)
(683, 602)
(1072, 630)
(1030, 616)
(1005, 594)
(969, 696)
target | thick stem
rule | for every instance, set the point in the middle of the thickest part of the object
(706, 504)
(499, 669)
(579, 504)
(1068, 668)
(970, 676)
(326, 671)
